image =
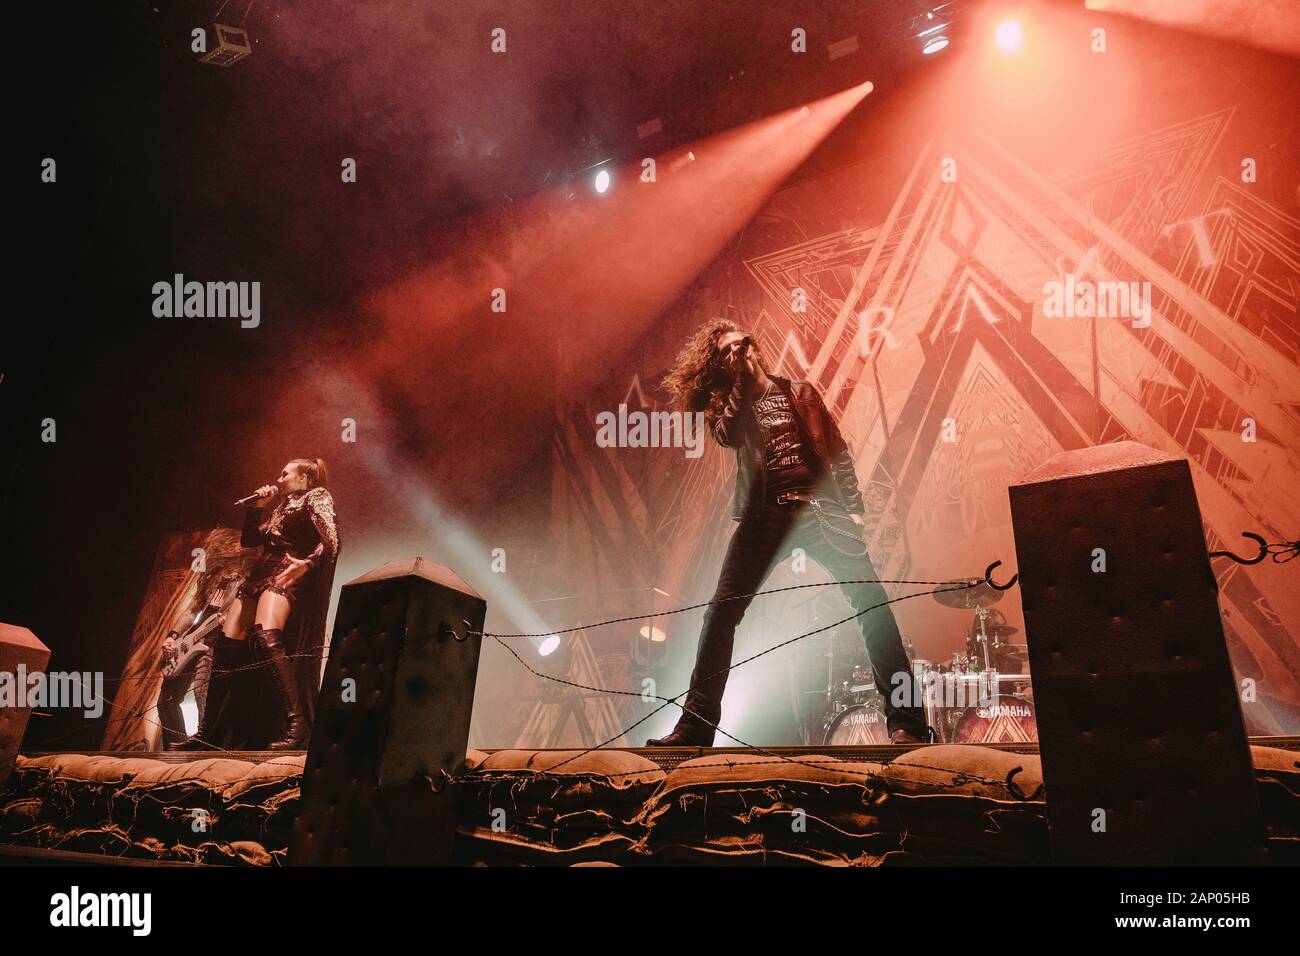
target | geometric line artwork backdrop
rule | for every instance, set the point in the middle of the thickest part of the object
(937, 314)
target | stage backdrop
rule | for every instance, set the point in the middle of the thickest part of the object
(168, 605)
(928, 323)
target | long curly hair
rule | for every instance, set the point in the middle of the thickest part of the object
(699, 381)
(224, 558)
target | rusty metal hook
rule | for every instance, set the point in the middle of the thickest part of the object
(441, 784)
(988, 578)
(1263, 550)
(446, 630)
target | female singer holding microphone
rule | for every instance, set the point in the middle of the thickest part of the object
(287, 593)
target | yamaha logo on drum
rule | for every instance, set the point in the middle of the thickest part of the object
(1006, 710)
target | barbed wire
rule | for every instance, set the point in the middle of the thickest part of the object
(971, 583)
(1280, 552)
(153, 675)
(667, 701)
(717, 600)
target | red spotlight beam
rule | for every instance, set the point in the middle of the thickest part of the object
(581, 279)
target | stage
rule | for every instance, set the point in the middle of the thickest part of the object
(463, 445)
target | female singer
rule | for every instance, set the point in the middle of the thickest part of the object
(288, 588)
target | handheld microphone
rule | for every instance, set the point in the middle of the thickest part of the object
(254, 497)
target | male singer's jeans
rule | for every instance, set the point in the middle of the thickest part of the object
(757, 546)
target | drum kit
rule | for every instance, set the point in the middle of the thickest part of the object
(981, 696)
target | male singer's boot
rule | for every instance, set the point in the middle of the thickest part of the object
(266, 647)
(689, 732)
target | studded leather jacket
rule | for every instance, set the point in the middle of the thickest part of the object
(737, 427)
(303, 525)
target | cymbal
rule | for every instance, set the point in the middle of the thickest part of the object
(1003, 653)
(994, 631)
(967, 594)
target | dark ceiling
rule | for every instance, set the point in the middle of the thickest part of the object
(228, 160)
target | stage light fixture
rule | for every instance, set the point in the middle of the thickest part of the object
(548, 646)
(933, 39)
(655, 635)
(602, 181)
(231, 44)
(1009, 36)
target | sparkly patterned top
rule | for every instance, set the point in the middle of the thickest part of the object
(302, 524)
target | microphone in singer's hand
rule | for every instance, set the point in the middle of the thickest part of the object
(742, 353)
(254, 497)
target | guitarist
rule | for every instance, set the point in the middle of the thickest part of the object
(196, 672)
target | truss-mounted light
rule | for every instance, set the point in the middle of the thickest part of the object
(933, 39)
(230, 45)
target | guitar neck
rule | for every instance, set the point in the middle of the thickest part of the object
(204, 629)
(209, 624)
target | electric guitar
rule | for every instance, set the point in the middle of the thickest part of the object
(191, 644)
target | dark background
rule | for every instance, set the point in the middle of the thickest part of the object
(166, 165)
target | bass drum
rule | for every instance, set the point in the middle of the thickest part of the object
(861, 725)
(1008, 720)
